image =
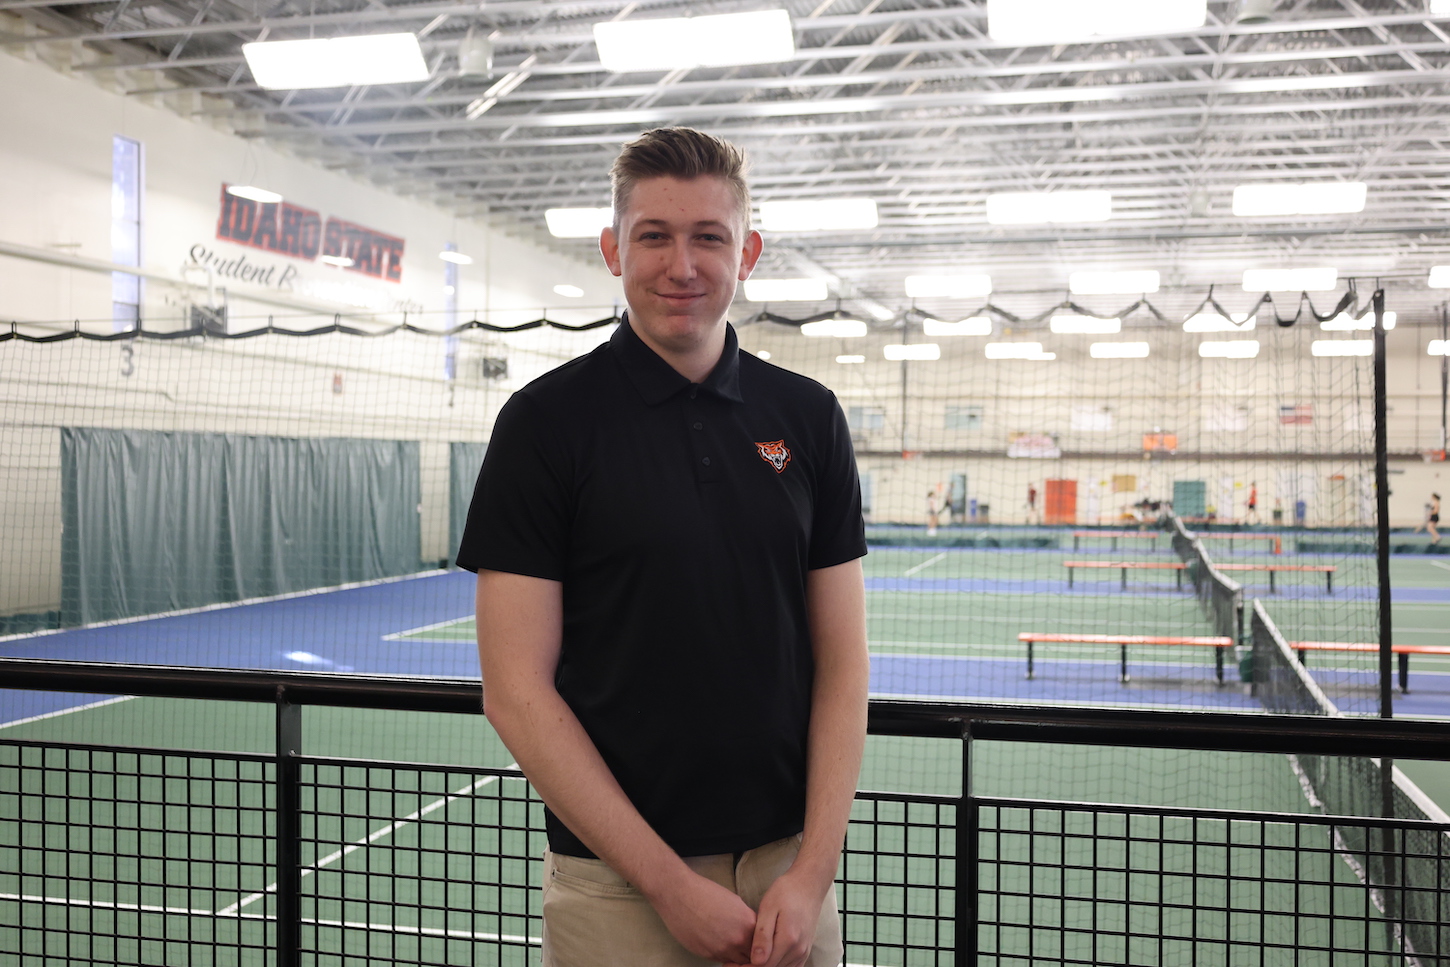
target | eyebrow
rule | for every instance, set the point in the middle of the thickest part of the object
(704, 224)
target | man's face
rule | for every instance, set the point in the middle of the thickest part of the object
(681, 248)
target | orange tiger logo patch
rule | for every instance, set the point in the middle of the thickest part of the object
(775, 453)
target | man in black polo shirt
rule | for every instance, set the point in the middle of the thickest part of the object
(671, 617)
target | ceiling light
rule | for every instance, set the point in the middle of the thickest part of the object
(975, 326)
(835, 214)
(674, 43)
(342, 261)
(1044, 22)
(850, 359)
(569, 291)
(254, 193)
(449, 290)
(1254, 11)
(1016, 350)
(1090, 325)
(948, 286)
(1344, 322)
(1342, 347)
(1312, 198)
(457, 258)
(844, 328)
(1113, 283)
(786, 290)
(1118, 350)
(919, 350)
(1049, 207)
(1439, 347)
(1290, 280)
(336, 61)
(1228, 348)
(475, 54)
(1440, 274)
(578, 222)
(765, 354)
(1213, 322)
(881, 313)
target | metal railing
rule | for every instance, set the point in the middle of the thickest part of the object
(126, 855)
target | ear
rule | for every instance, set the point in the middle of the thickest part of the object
(609, 248)
(750, 254)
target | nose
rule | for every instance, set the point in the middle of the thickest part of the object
(682, 262)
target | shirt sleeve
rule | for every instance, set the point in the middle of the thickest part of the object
(518, 520)
(838, 533)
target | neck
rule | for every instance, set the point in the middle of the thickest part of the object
(695, 360)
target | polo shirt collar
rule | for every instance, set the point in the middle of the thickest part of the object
(657, 380)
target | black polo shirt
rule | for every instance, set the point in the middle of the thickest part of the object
(682, 519)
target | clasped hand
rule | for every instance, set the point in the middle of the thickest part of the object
(711, 921)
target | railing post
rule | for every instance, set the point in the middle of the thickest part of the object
(966, 873)
(288, 874)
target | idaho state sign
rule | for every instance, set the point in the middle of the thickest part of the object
(300, 233)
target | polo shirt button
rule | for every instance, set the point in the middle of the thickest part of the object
(705, 461)
(693, 391)
(699, 426)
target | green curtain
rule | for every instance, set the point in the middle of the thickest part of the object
(154, 522)
(464, 462)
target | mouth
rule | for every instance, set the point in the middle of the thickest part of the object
(680, 296)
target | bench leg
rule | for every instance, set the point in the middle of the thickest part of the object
(1404, 673)
(1029, 660)
(1123, 664)
(1074, 541)
(1218, 664)
(1329, 581)
(1179, 574)
(1271, 582)
(1125, 579)
(1115, 545)
(1070, 573)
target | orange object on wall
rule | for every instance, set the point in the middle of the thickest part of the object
(1061, 502)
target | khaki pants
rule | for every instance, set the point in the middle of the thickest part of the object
(594, 918)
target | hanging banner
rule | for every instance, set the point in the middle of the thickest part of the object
(300, 233)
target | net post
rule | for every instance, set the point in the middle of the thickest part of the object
(288, 874)
(967, 856)
(1382, 508)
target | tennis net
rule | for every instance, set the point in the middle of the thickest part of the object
(1221, 599)
(1405, 868)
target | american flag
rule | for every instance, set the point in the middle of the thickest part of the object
(1297, 413)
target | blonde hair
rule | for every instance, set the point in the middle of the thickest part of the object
(682, 153)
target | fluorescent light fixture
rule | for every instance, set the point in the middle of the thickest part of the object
(1113, 283)
(1213, 322)
(1049, 207)
(674, 43)
(1228, 348)
(1032, 23)
(1290, 280)
(849, 360)
(1017, 350)
(457, 258)
(975, 326)
(1342, 347)
(1090, 325)
(569, 291)
(763, 354)
(1311, 198)
(881, 313)
(254, 193)
(1344, 322)
(948, 286)
(1440, 274)
(1439, 347)
(841, 328)
(1118, 350)
(837, 214)
(448, 290)
(336, 61)
(918, 350)
(341, 261)
(578, 222)
(786, 290)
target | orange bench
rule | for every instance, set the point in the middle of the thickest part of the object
(1278, 544)
(1326, 569)
(1114, 535)
(1402, 653)
(1126, 566)
(1219, 643)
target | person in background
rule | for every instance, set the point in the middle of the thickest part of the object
(1031, 503)
(1252, 515)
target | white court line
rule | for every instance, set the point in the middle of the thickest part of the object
(223, 605)
(924, 564)
(1439, 564)
(105, 904)
(67, 711)
(397, 824)
(397, 635)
